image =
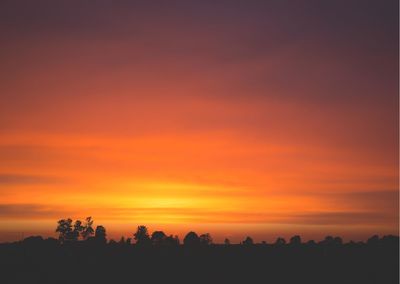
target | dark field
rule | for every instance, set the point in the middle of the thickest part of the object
(46, 261)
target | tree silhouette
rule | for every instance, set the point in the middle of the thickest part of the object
(358, 262)
(76, 232)
(142, 235)
(100, 234)
(191, 239)
(87, 230)
(248, 241)
(329, 240)
(280, 241)
(33, 240)
(374, 240)
(69, 232)
(389, 240)
(311, 243)
(338, 241)
(295, 240)
(128, 241)
(158, 238)
(205, 239)
(64, 229)
(227, 242)
(172, 240)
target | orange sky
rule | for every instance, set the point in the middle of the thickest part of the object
(222, 124)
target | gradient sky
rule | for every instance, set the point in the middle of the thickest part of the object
(261, 118)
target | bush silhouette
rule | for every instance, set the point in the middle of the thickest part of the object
(206, 239)
(248, 241)
(172, 240)
(191, 239)
(280, 241)
(295, 240)
(158, 238)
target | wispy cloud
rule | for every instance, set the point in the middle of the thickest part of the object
(20, 179)
(29, 211)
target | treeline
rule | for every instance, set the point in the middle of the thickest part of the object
(82, 254)
(78, 231)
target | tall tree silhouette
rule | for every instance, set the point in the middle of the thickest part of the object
(100, 234)
(87, 230)
(78, 228)
(142, 236)
(64, 228)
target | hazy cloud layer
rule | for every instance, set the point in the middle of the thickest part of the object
(364, 213)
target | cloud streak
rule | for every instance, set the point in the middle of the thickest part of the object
(18, 179)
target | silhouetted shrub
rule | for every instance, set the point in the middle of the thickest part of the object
(205, 239)
(295, 240)
(248, 241)
(172, 240)
(311, 243)
(338, 241)
(191, 239)
(158, 238)
(33, 240)
(280, 241)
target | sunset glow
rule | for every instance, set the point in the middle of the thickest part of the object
(201, 120)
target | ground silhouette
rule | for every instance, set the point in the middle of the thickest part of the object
(83, 255)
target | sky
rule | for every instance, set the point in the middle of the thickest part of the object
(237, 118)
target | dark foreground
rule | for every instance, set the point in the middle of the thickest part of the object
(49, 262)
